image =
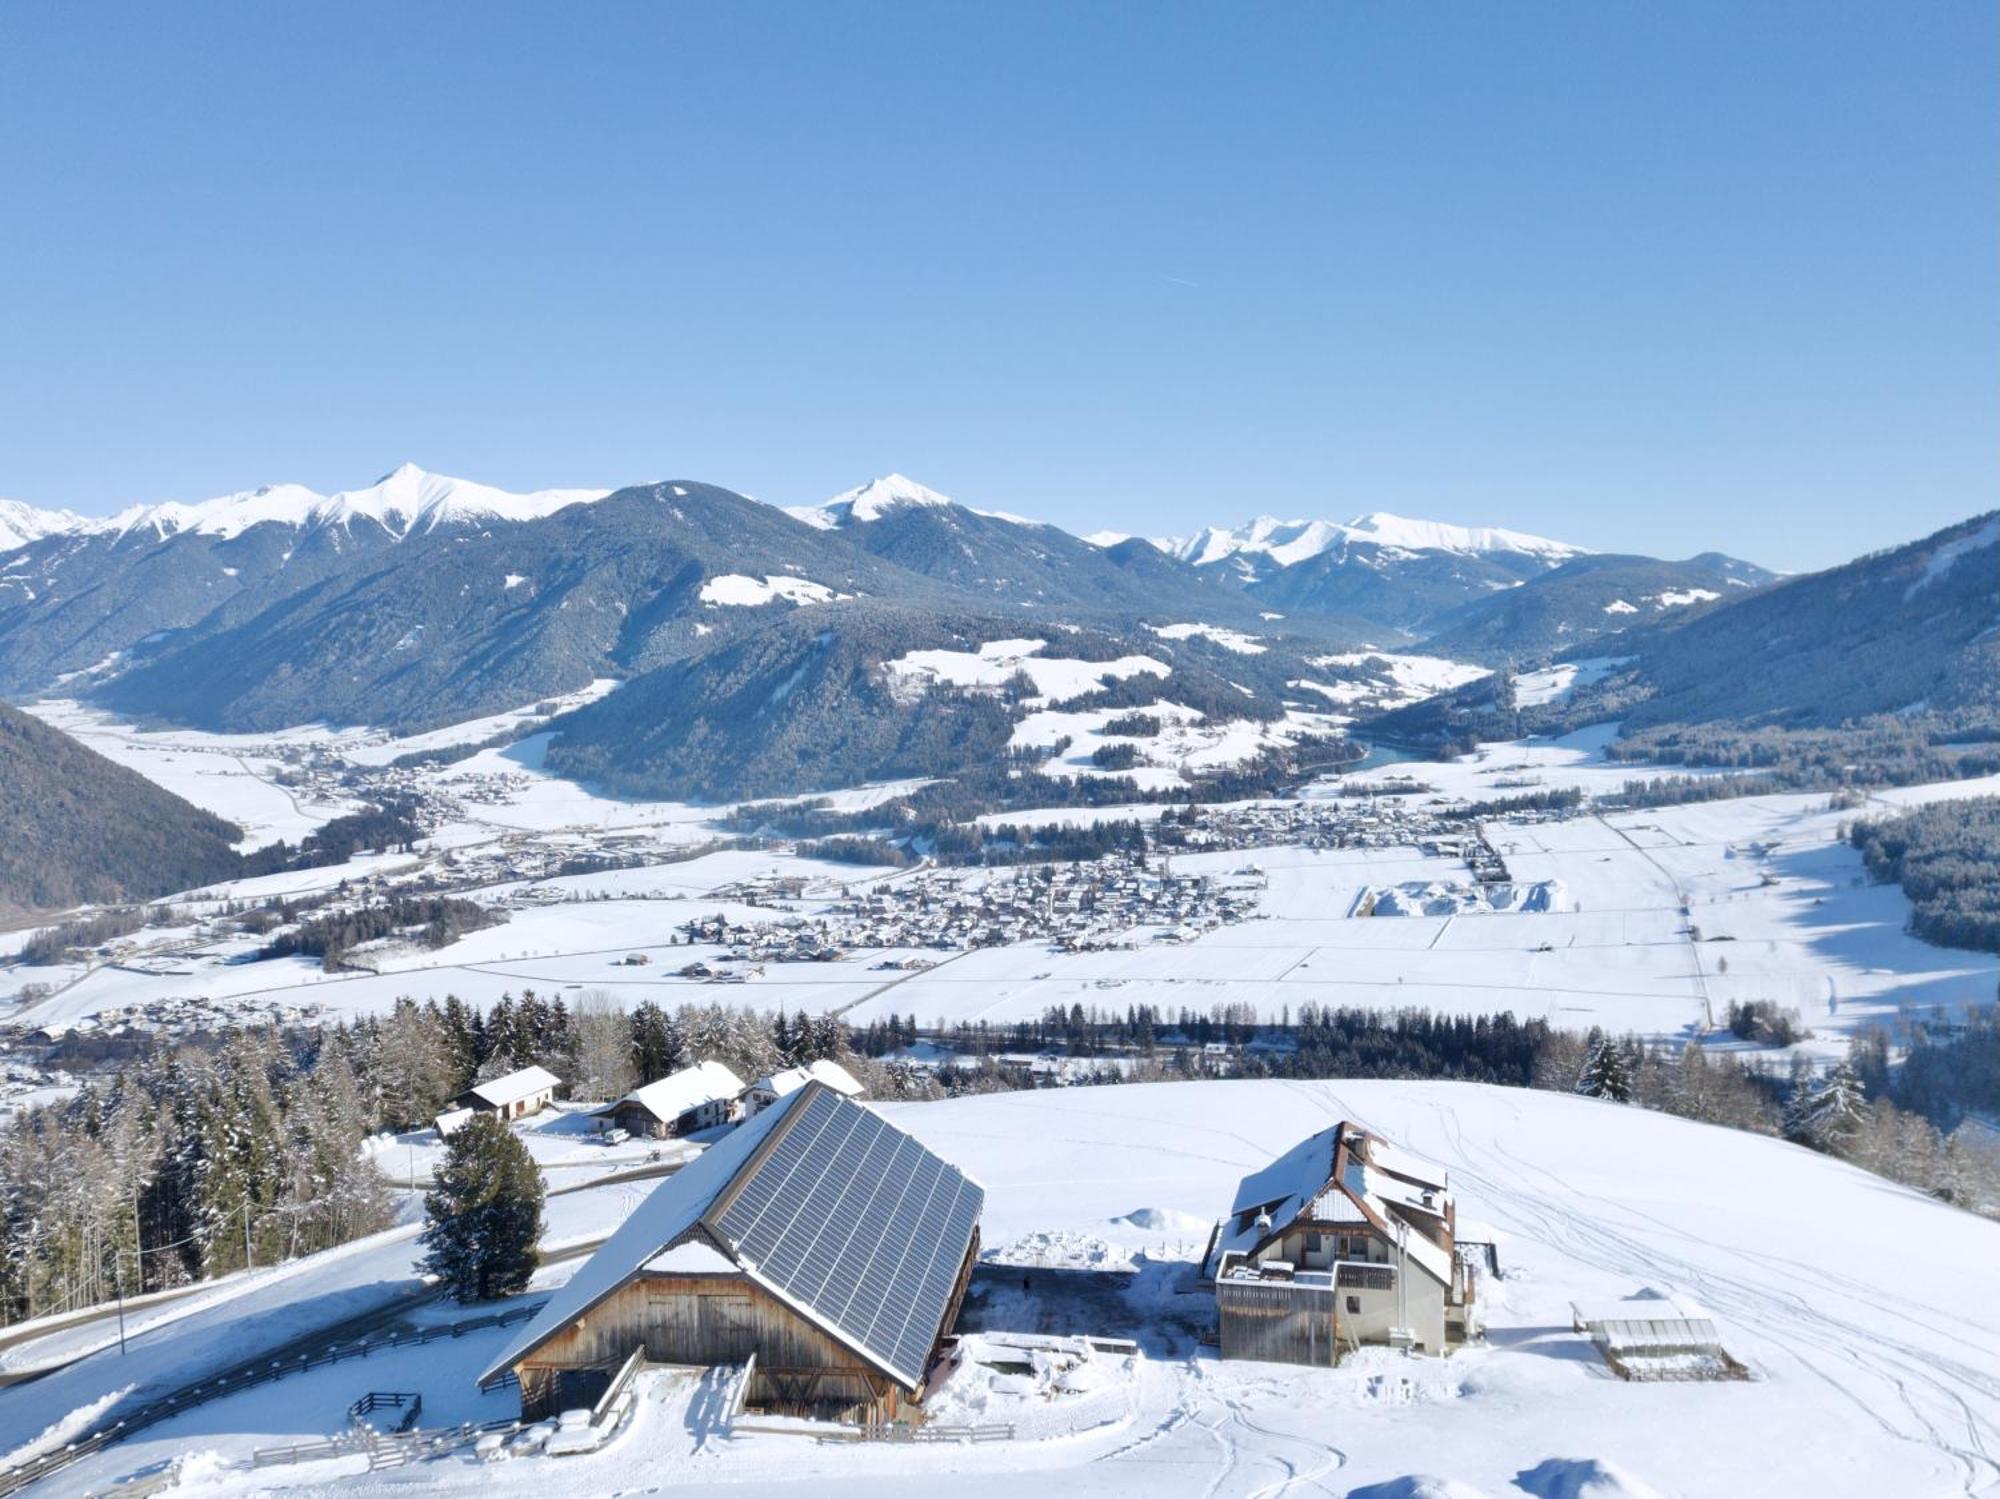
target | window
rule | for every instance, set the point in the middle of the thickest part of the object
(1354, 1306)
(1315, 1243)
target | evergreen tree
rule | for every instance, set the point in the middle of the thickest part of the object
(658, 1046)
(484, 1218)
(1832, 1114)
(1607, 1072)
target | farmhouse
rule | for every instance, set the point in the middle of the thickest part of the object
(697, 1097)
(817, 1236)
(515, 1096)
(768, 1090)
(1341, 1241)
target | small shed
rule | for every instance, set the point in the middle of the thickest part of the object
(515, 1096)
(766, 1091)
(695, 1098)
(817, 1236)
(1656, 1336)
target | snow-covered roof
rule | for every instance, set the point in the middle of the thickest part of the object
(690, 1088)
(499, 1092)
(692, 1258)
(835, 1076)
(1389, 1158)
(826, 1206)
(1646, 1306)
(1304, 1183)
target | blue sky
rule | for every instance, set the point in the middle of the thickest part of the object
(1646, 277)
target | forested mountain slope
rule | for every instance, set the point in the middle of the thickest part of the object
(1900, 647)
(75, 827)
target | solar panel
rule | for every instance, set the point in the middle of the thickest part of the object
(860, 1225)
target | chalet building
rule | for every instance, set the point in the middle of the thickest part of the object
(515, 1096)
(695, 1098)
(816, 1236)
(1343, 1240)
(766, 1091)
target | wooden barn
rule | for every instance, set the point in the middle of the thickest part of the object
(817, 1236)
(1342, 1241)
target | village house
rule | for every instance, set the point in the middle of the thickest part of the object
(766, 1091)
(515, 1096)
(817, 1237)
(1342, 1241)
(695, 1098)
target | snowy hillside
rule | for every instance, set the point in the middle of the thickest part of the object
(1874, 1356)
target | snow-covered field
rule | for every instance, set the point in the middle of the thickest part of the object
(1656, 921)
(1863, 1311)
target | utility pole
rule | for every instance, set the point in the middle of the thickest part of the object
(248, 1263)
(118, 1284)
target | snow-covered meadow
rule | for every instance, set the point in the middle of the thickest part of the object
(1874, 1353)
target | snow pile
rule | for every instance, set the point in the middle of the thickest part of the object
(1057, 679)
(1584, 1478)
(1044, 1387)
(737, 589)
(1059, 1249)
(1229, 640)
(1418, 1486)
(1674, 598)
(1619, 606)
(1440, 898)
(60, 1431)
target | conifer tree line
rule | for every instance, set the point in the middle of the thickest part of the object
(189, 1165)
(1946, 856)
(1835, 1112)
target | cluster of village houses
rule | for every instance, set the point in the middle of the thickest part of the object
(1076, 907)
(829, 1252)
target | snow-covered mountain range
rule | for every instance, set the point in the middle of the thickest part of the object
(1269, 541)
(408, 499)
(21, 523)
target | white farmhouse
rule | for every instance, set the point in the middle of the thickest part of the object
(766, 1091)
(515, 1096)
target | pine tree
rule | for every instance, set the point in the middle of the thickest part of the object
(1607, 1072)
(484, 1218)
(1828, 1116)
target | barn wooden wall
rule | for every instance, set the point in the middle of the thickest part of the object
(720, 1319)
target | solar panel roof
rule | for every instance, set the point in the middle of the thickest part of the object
(858, 1225)
(839, 1213)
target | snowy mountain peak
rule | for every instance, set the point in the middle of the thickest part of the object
(868, 502)
(1438, 536)
(1287, 542)
(405, 500)
(21, 523)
